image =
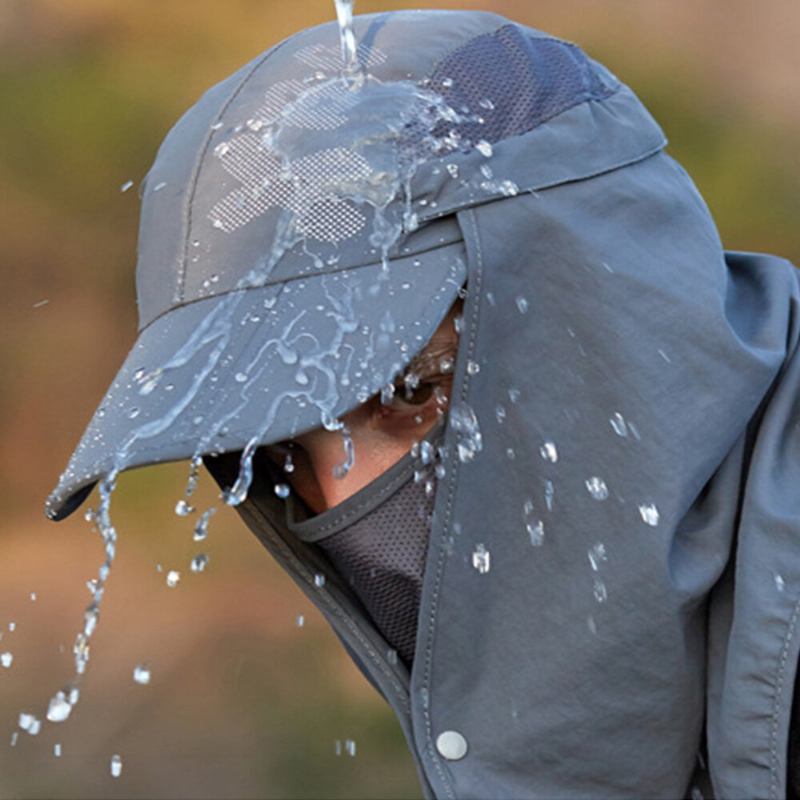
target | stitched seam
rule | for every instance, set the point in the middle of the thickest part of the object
(777, 705)
(307, 276)
(330, 602)
(464, 391)
(181, 286)
(585, 94)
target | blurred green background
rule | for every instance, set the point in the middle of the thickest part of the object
(244, 703)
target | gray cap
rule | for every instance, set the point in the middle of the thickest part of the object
(298, 244)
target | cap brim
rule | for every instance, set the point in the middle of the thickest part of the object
(263, 363)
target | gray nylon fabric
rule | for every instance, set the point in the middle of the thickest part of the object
(644, 587)
(377, 541)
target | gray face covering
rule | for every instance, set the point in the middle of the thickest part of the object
(377, 540)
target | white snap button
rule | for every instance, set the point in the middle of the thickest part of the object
(451, 745)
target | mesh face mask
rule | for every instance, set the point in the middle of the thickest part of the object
(377, 539)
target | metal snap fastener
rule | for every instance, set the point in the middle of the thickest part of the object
(451, 745)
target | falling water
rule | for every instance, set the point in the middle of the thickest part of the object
(347, 37)
(64, 700)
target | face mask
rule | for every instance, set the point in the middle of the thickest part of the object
(377, 540)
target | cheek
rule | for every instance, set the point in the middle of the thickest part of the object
(374, 454)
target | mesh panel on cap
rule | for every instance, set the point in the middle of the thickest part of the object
(382, 555)
(525, 79)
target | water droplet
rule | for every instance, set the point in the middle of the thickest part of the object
(597, 488)
(116, 766)
(240, 377)
(350, 747)
(57, 750)
(319, 579)
(600, 591)
(618, 424)
(391, 656)
(514, 395)
(522, 305)
(33, 597)
(464, 423)
(141, 674)
(500, 413)
(780, 585)
(453, 170)
(597, 555)
(199, 563)
(481, 559)
(473, 367)
(508, 188)
(510, 454)
(183, 509)
(486, 103)
(484, 148)
(173, 578)
(299, 620)
(221, 149)
(592, 625)
(649, 514)
(29, 723)
(201, 529)
(548, 494)
(125, 186)
(6, 659)
(282, 490)
(60, 708)
(536, 532)
(549, 452)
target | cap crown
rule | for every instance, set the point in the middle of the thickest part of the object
(219, 196)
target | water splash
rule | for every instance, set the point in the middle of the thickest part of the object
(372, 172)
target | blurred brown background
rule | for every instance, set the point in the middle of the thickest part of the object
(244, 703)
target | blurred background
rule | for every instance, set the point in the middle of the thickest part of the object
(243, 701)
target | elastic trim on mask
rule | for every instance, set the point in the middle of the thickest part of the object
(361, 503)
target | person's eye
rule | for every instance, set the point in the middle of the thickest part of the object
(418, 395)
(405, 395)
